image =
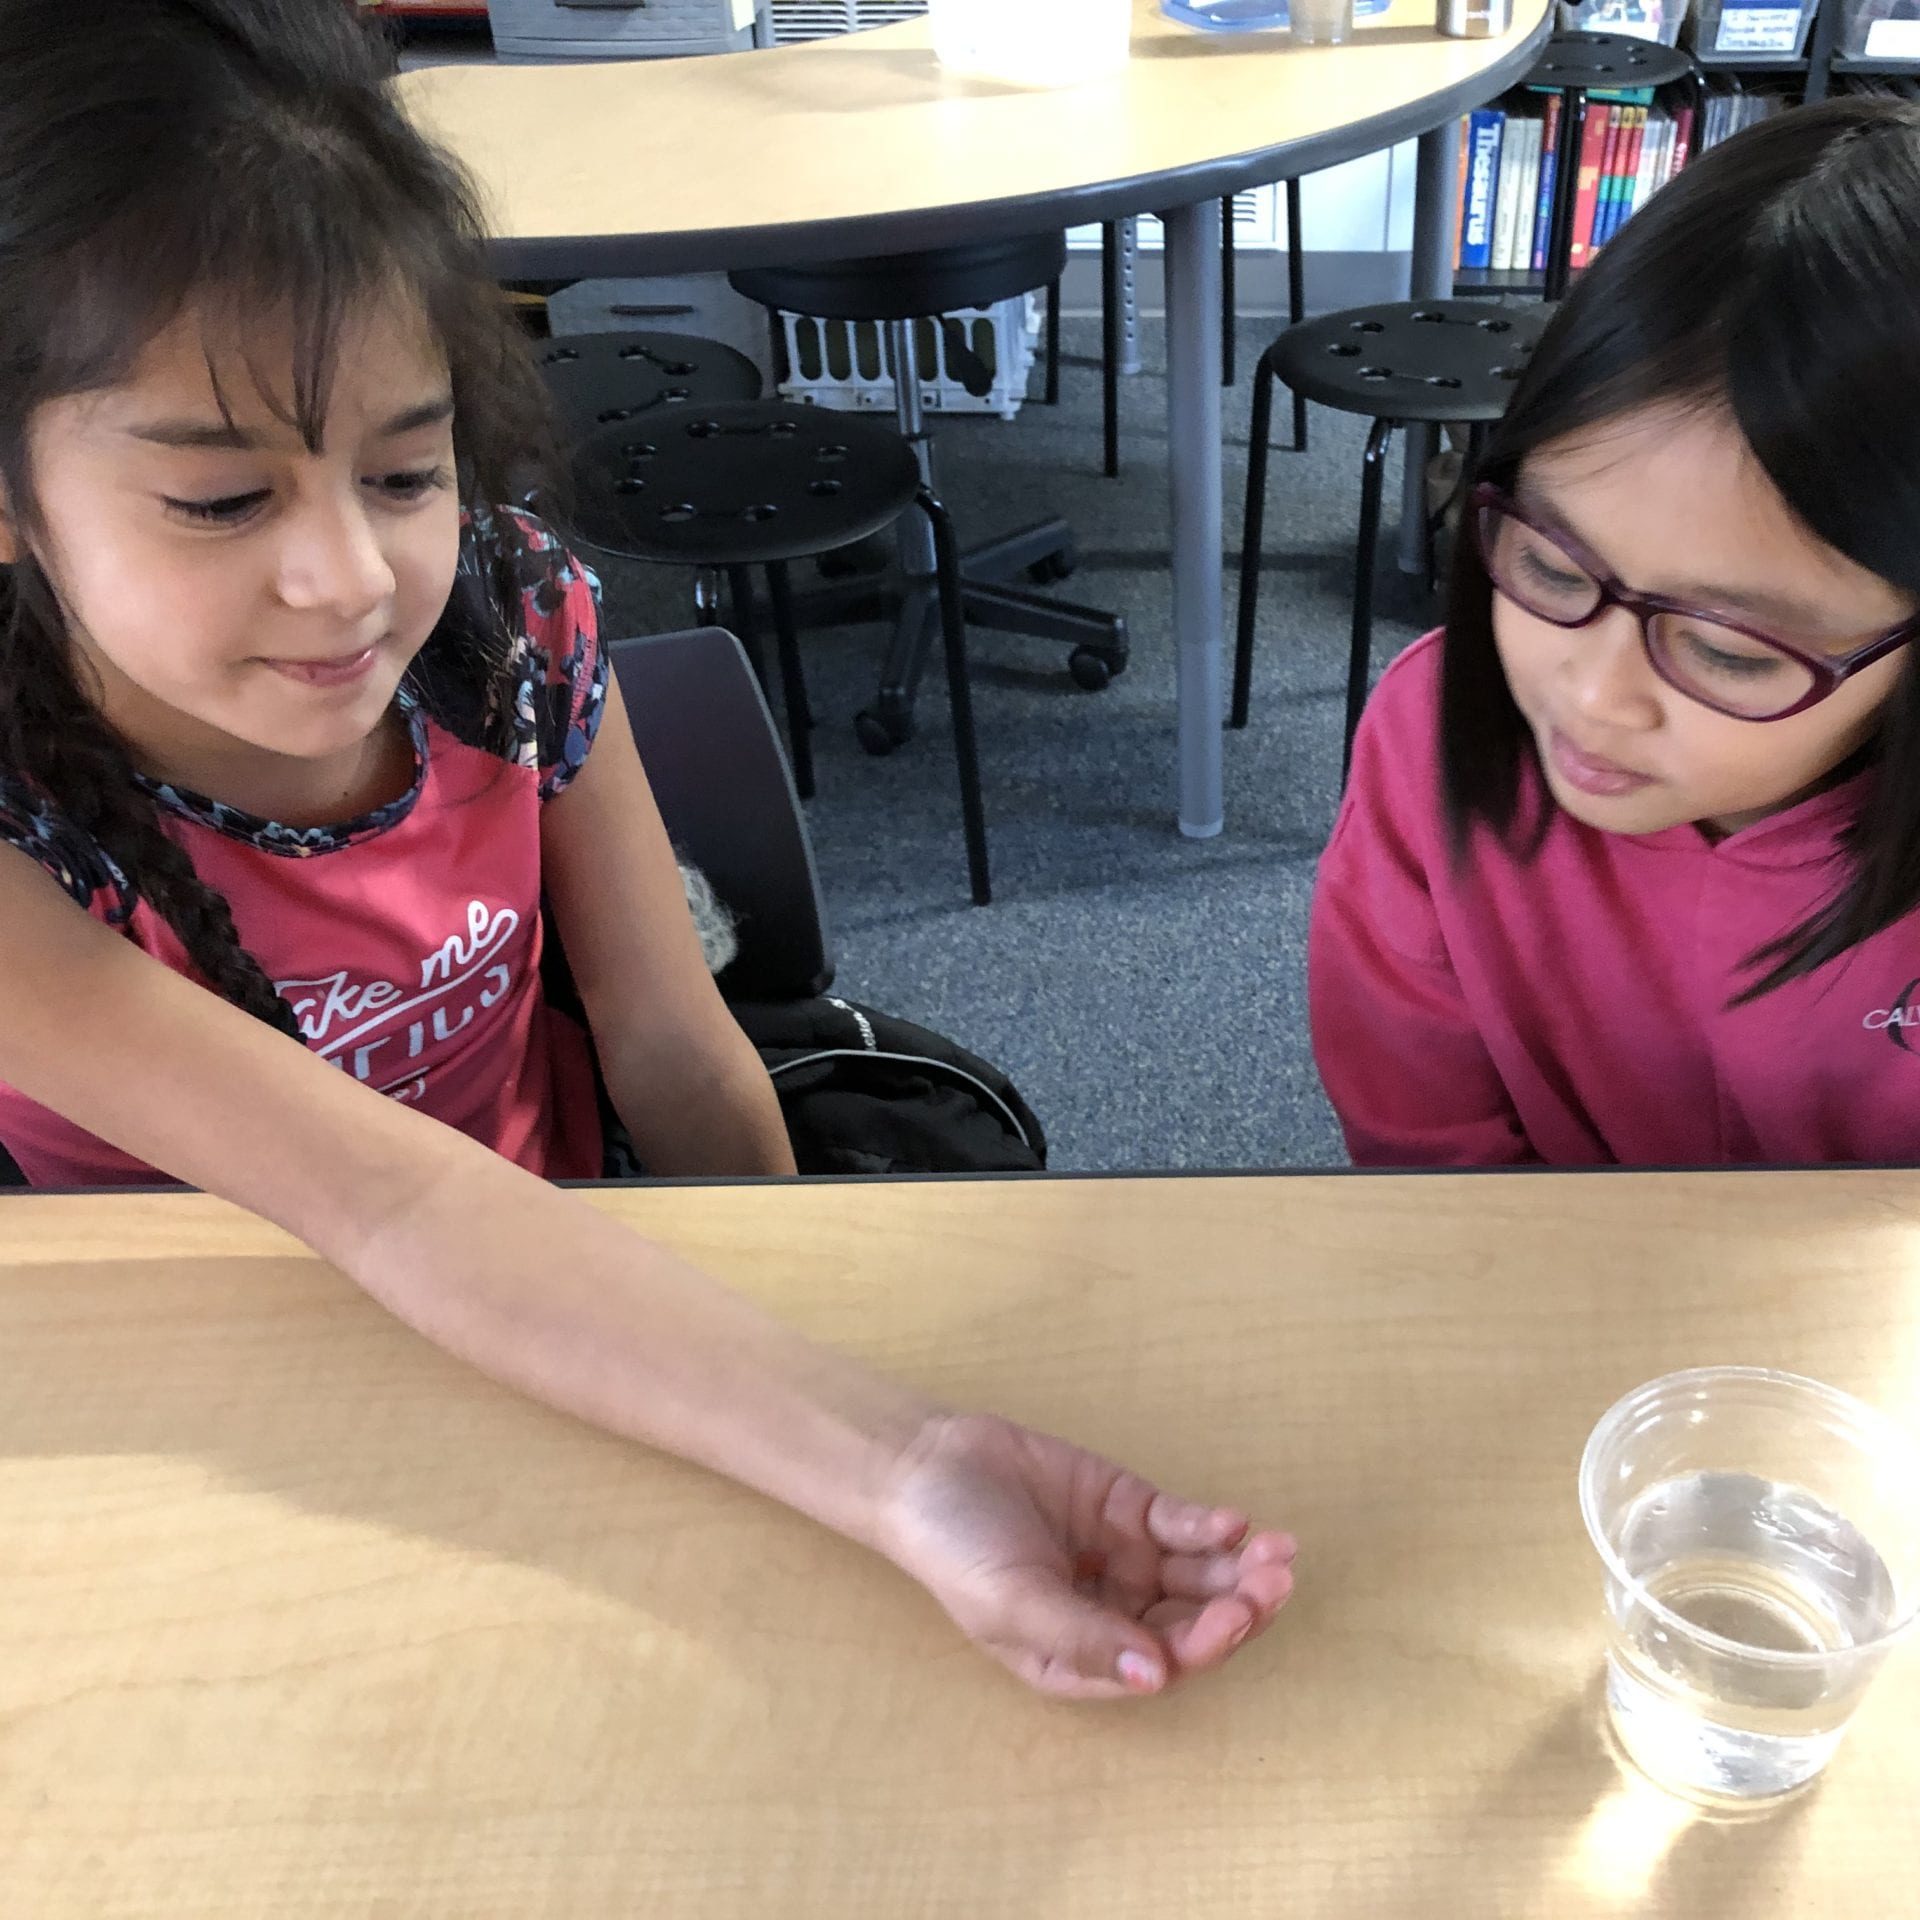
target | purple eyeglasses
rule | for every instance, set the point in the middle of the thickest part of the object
(1734, 669)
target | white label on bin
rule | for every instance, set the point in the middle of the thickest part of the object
(1759, 30)
(742, 15)
(1893, 40)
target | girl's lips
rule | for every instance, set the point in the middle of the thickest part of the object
(1606, 779)
(340, 672)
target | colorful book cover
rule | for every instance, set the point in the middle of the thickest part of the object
(1681, 149)
(1549, 166)
(1609, 162)
(1483, 171)
(1609, 183)
(1626, 170)
(1637, 165)
(1593, 153)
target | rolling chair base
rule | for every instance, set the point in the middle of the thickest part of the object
(910, 602)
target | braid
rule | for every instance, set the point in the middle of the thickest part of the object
(55, 739)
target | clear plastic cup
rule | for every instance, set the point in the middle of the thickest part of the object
(1761, 1538)
(1320, 23)
(1031, 43)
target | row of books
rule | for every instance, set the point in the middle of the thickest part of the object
(1628, 152)
(1508, 163)
(1730, 113)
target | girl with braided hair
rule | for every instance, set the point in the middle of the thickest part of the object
(299, 729)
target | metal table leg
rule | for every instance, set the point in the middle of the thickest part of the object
(1129, 297)
(1192, 263)
(1436, 216)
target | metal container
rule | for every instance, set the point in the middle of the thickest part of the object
(1474, 19)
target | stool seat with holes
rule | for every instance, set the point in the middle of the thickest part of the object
(599, 379)
(762, 483)
(1449, 362)
(742, 485)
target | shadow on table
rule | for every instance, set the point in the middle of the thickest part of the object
(1614, 1843)
(348, 1558)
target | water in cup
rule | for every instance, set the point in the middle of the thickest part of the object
(1766, 1567)
(1759, 1535)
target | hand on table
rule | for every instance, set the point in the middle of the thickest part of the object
(1083, 1578)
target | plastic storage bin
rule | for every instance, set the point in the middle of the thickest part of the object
(843, 363)
(795, 20)
(1880, 30)
(1659, 20)
(1744, 31)
(619, 29)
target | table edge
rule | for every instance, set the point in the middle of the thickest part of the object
(709, 249)
(1058, 1176)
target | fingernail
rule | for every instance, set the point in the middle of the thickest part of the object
(1138, 1672)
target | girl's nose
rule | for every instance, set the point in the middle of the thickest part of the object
(331, 561)
(1606, 670)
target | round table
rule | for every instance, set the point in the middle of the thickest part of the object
(864, 144)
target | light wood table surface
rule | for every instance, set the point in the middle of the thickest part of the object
(299, 1618)
(865, 145)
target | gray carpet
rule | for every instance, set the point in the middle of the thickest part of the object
(1146, 992)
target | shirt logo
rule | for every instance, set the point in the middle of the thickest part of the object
(369, 1027)
(1894, 1021)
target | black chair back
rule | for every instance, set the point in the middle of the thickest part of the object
(720, 777)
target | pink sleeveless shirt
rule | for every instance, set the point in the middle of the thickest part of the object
(407, 941)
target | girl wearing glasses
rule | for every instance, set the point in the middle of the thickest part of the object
(1628, 869)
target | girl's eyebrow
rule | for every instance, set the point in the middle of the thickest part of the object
(226, 435)
(1758, 604)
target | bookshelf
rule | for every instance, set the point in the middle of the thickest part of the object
(1768, 79)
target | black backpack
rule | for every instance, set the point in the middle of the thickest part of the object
(863, 1092)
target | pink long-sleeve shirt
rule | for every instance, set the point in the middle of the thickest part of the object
(1571, 1007)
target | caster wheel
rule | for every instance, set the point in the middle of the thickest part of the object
(1089, 669)
(879, 732)
(1052, 567)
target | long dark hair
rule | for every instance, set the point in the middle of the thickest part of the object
(1778, 279)
(243, 157)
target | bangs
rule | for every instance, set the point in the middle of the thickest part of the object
(274, 281)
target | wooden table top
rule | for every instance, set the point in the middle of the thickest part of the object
(300, 1618)
(857, 144)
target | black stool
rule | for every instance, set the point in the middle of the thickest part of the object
(600, 379)
(910, 293)
(1432, 362)
(760, 483)
(1574, 65)
(1113, 301)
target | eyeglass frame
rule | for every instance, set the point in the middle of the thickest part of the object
(1828, 670)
